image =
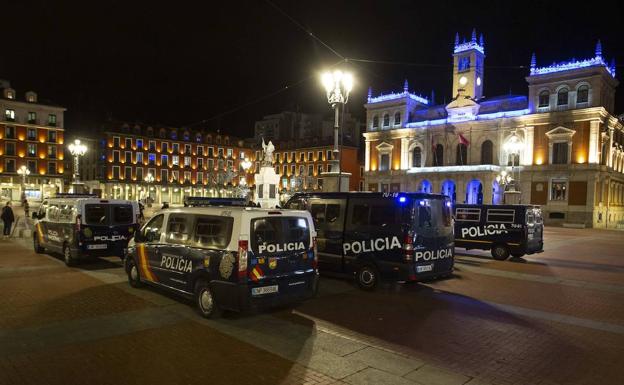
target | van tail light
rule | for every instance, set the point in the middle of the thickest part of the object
(243, 246)
(408, 247)
(314, 250)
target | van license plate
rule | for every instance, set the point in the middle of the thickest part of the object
(422, 269)
(97, 247)
(264, 290)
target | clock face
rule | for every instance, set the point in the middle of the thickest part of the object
(463, 81)
(478, 80)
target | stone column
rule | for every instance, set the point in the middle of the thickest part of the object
(404, 153)
(528, 146)
(594, 142)
(367, 156)
(487, 189)
(610, 148)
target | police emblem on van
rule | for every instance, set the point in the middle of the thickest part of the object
(271, 248)
(272, 263)
(476, 231)
(379, 244)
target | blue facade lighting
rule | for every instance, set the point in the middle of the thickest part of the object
(394, 96)
(469, 117)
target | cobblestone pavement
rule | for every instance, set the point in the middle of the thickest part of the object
(553, 318)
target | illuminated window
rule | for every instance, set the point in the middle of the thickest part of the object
(175, 160)
(187, 161)
(52, 152)
(229, 152)
(152, 171)
(151, 159)
(175, 176)
(139, 157)
(9, 115)
(32, 149)
(558, 189)
(187, 176)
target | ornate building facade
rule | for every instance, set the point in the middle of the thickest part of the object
(31, 136)
(166, 164)
(562, 143)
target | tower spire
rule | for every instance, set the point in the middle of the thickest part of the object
(432, 100)
(598, 49)
(456, 39)
(613, 67)
(533, 61)
(474, 35)
(481, 41)
(370, 93)
(405, 86)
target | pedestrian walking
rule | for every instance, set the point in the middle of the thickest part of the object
(8, 218)
(26, 209)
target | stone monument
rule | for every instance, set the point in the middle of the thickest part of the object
(267, 181)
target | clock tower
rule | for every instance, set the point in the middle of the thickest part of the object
(468, 59)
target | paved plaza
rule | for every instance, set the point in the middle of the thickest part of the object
(552, 318)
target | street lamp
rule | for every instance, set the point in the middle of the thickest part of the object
(24, 172)
(77, 150)
(338, 85)
(149, 179)
(513, 146)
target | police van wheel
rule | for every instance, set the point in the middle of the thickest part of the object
(204, 300)
(500, 252)
(367, 277)
(134, 279)
(67, 257)
(36, 245)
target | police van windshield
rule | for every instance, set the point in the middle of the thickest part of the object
(280, 234)
(432, 216)
(108, 214)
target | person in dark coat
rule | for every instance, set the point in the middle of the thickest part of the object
(8, 218)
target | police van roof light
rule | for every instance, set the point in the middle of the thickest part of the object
(402, 199)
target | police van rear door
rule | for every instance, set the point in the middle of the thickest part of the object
(535, 230)
(281, 250)
(432, 224)
(107, 226)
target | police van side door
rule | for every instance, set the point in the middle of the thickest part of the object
(173, 258)
(329, 218)
(146, 247)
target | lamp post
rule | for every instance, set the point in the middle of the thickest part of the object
(513, 146)
(77, 150)
(24, 172)
(338, 85)
(149, 179)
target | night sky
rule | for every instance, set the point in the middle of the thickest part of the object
(179, 64)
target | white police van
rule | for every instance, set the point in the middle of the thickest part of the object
(227, 257)
(81, 226)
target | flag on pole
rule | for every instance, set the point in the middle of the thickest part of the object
(463, 140)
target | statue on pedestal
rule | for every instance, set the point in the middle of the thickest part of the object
(267, 153)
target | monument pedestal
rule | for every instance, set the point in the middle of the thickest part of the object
(267, 184)
(331, 181)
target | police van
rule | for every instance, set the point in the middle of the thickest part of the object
(504, 229)
(82, 226)
(227, 257)
(375, 236)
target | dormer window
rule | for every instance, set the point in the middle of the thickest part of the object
(582, 94)
(9, 93)
(386, 120)
(397, 118)
(544, 99)
(562, 97)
